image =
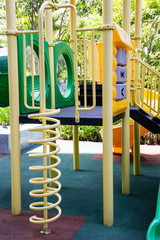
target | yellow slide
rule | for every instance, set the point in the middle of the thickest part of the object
(117, 133)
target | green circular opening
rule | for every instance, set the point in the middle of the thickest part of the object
(36, 71)
(62, 75)
(32, 68)
(29, 69)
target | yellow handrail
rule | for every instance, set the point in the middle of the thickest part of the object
(147, 88)
(32, 106)
(85, 74)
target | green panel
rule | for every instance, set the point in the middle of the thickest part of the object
(4, 91)
(23, 109)
(3, 60)
(66, 99)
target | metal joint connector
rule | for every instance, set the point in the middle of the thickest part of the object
(11, 32)
(106, 27)
(52, 7)
(139, 50)
(72, 40)
(136, 38)
(51, 45)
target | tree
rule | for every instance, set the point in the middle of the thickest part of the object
(151, 33)
(2, 23)
(90, 14)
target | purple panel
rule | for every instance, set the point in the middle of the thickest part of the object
(121, 74)
(121, 57)
(124, 58)
(121, 91)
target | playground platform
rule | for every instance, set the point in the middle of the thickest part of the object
(67, 117)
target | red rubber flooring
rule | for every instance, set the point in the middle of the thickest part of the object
(149, 155)
(18, 227)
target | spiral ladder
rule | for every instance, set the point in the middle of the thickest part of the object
(50, 174)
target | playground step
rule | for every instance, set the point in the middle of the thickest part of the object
(151, 123)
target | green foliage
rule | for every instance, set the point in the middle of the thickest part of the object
(86, 7)
(65, 131)
(5, 115)
(117, 122)
(90, 133)
(2, 24)
(86, 133)
(27, 13)
(151, 33)
(90, 15)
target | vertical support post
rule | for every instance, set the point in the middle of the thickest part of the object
(107, 116)
(14, 108)
(136, 149)
(49, 38)
(136, 140)
(76, 158)
(125, 120)
(42, 110)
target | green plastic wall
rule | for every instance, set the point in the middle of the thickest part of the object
(23, 109)
(60, 100)
(4, 91)
(3, 60)
(68, 98)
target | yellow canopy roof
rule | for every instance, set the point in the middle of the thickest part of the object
(121, 38)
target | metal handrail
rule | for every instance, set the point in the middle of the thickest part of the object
(147, 88)
(85, 75)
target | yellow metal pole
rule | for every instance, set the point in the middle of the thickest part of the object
(72, 23)
(14, 107)
(42, 110)
(136, 145)
(125, 120)
(49, 38)
(76, 158)
(107, 116)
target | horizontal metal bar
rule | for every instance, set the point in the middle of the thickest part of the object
(100, 28)
(146, 65)
(16, 33)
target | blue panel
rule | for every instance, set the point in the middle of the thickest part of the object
(121, 91)
(121, 74)
(121, 57)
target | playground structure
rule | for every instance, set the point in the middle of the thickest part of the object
(39, 94)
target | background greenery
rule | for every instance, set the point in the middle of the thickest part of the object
(89, 14)
(5, 115)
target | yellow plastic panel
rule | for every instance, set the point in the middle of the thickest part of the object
(119, 106)
(97, 65)
(114, 92)
(114, 79)
(100, 60)
(121, 38)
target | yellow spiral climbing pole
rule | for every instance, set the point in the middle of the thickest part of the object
(45, 181)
